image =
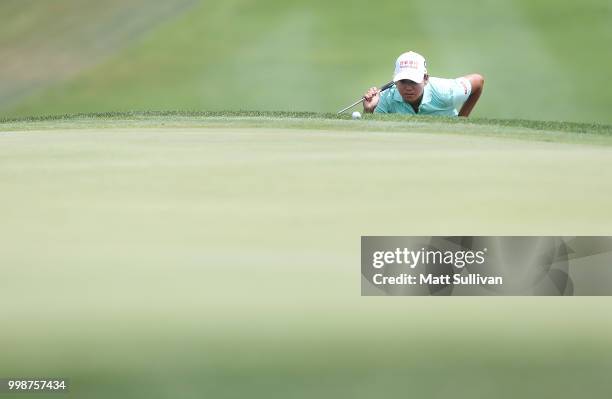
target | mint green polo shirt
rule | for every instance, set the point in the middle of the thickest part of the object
(442, 97)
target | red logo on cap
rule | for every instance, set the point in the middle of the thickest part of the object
(413, 64)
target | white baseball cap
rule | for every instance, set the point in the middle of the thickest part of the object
(410, 66)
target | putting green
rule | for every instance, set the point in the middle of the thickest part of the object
(160, 257)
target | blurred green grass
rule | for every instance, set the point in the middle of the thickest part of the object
(530, 130)
(542, 60)
(46, 43)
(160, 261)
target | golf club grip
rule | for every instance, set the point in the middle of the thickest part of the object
(385, 87)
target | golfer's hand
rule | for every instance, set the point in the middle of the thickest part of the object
(370, 99)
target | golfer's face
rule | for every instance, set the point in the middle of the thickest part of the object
(409, 90)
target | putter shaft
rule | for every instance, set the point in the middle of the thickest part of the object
(385, 87)
(352, 105)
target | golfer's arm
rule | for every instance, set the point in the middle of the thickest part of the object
(477, 82)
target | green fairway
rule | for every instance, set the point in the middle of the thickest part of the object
(542, 60)
(184, 255)
(47, 43)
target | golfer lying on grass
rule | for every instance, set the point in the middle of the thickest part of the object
(415, 92)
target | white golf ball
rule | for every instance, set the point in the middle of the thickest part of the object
(356, 115)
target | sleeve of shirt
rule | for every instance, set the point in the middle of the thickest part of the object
(452, 93)
(460, 90)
